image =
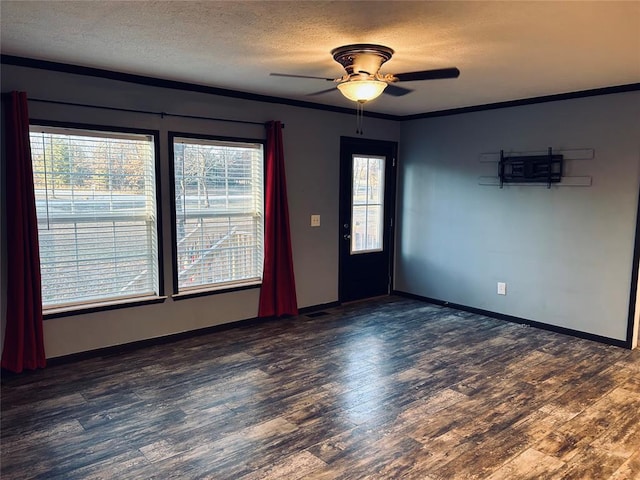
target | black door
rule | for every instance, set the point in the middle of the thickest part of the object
(367, 195)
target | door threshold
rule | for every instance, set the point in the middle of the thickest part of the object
(351, 302)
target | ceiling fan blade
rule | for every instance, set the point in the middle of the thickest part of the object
(300, 76)
(428, 74)
(322, 91)
(396, 91)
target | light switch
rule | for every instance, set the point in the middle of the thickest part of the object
(315, 220)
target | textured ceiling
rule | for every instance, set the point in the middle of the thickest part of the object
(504, 50)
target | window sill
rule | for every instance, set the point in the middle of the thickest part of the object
(214, 291)
(85, 308)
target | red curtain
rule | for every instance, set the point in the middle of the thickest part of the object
(23, 338)
(278, 292)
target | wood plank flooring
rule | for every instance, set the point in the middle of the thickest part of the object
(384, 389)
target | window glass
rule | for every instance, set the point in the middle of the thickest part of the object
(97, 218)
(218, 213)
(367, 204)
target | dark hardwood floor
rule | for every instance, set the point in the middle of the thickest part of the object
(384, 389)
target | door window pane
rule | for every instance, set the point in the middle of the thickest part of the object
(367, 224)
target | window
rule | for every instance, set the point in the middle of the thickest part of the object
(97, 220)
(367, 204)
(218, 213)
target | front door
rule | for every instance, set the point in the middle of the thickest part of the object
(367, 194)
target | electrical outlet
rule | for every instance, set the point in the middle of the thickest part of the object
(315, 220)
(502, 288)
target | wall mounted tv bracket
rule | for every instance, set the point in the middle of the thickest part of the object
(530, 169)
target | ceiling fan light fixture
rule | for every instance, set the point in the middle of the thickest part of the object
(362, 91)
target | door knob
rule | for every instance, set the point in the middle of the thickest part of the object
(347, 236)
(346, 226)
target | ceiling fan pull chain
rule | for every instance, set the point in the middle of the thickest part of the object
(359, 118)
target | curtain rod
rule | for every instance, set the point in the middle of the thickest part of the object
(147, 112)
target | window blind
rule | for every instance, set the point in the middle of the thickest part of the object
(96, 209)
(219, 212)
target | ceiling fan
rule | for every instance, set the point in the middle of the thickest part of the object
(363, 81)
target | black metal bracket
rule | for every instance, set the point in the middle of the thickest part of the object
(530, 169)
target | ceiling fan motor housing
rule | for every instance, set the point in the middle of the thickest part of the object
(362, 57)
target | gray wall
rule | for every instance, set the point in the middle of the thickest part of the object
(566, 253)
(312, 146)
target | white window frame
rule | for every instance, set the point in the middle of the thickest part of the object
(209, 214)
(150, 276)
(366, 204)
